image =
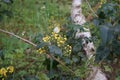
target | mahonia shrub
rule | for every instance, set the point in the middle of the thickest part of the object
(61, 43)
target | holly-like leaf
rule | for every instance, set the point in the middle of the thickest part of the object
(42, 44)
(102, 53)
(104, 33)
(117, 28)
(55, 50)
(116, 47)
(110, 35)
(75, 59)
(77, 47)
(67, 60)
(96, 22)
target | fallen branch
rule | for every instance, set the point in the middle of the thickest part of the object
(25, 40)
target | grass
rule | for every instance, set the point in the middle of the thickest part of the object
(32, 17)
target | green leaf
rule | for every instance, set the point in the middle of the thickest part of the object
(117, 28)
(67, 60)
(43, 76)
(110, 36)
(55, 50)
(104, 33)
(77, 47)
(42, 44)
(75, 59)
(102, 53)
(116, 47)
(96, 22)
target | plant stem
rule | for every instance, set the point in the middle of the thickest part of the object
(62, 64)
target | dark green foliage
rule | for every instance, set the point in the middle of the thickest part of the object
(108, 24)
(42, 44)
(74, 61)
(33, 17)
(1, 54)
(55, 50)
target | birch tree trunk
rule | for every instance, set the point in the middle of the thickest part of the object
(79, 19)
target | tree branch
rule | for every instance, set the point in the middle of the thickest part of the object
(25, 40)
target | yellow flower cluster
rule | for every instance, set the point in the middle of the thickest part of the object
(3, 71)
(67, 50)
(46, 39)
(10, 69)
(59, 39)
(56, 38)
(41, 51)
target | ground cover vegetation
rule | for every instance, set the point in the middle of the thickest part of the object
(55, 53)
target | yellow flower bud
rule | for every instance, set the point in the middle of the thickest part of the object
(65, 39)
(10, 69)
(3, 72)
(46, 39)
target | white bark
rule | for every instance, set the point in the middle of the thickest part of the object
(79, 19)
(76, 13)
